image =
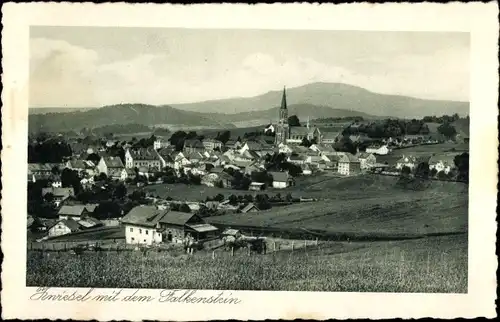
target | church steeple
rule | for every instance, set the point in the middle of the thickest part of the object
(283, 99)
(282, 128)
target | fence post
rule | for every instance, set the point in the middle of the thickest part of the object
(292, 244)
(274, 245)
(248, 250)
(232, 251)
(316, 241)
(213, 254)
(305, 243)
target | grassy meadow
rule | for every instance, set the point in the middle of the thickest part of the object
(434, 264)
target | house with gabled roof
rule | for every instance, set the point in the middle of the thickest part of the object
(193, 145)
(299, 133)
(59, 194)
(251, 207)
(75, 212)
(367, 160)
(281, 179)
(329, 136)
(64, 227)
(83, 167)
(212, 144)
(38, 171)
(166, 158)
(444, 163)
(296, 159)
(149, 225)
(112, 167)
(142, 157)
(349, 164)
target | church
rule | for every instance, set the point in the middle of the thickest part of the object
(285, 134)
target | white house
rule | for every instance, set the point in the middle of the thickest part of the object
(283, 148)
(378, 149)
(160, 143)
(64, 227)
(149, 225)
(443, 163)
(112, 167)
(212, 144)
(406, 161)
(75, 212)
(141, 225)
(269, 129)
(281, 180)
(367, 160)
(348, 164)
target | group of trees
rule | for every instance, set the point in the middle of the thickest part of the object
(442, 119)
(390, 128)
(447, 130)
(48, 150)
(278, 162)
(177, 139)
(460, 173)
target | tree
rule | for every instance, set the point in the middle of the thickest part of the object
(345, 145)
(120, 191)
(108, 209)
(184, 208)
(405, 171)
(102, 177)
(262, 201)
(233, 200)
(70, 179)
(305, 142)
(442, 175)
(447, 130)
(433, 172)
(219, 197)
(462, 163)
(293, 121)
(55, 170)
(423, 170)
(94, 157)
(224, 136)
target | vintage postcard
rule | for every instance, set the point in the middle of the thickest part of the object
(185, 163)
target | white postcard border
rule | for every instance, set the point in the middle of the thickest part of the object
(477, 18)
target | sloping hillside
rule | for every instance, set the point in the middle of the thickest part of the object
(336, 96)
(119, 114)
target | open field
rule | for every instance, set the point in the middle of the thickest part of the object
(316, 186)
(437, 264)
(433, 148)
(389, 216)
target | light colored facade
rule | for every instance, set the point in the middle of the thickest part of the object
(143, 158)
(135, 234)
(367, 160)
(348, 165)
(380, 150)
(406, 161)
(212, 144)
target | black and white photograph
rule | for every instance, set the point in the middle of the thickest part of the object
(248, 159)
(169, 162)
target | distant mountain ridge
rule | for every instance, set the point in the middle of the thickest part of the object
(317, 100)
(337, 96)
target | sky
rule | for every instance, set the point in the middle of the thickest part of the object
(96, 66)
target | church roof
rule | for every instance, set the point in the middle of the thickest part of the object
(283, 100)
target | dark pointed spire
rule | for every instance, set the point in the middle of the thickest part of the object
(283, 99)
